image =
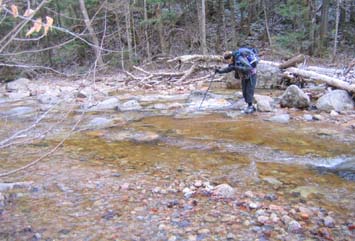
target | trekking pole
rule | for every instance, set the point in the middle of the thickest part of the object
(209, 86)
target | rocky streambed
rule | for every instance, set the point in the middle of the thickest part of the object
(161, 166)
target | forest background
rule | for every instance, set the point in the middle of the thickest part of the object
(117, 34)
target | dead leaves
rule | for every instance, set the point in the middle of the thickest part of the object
(38, 24)
(14, 10)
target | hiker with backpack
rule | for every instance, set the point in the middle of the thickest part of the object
(243, 62)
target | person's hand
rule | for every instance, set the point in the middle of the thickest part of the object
(217, 71)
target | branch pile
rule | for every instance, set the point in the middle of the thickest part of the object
(186, 69)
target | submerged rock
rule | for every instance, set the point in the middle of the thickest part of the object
(132, 135)
(99, 122)
(283, 118)
(345, 169)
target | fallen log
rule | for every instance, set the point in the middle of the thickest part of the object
(197, 57)
(293, 61)
(307, 74)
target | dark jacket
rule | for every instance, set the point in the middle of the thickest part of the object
(240, 65)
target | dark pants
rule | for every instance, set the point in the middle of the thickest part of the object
(248, 86)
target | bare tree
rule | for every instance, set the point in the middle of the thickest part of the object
(267, 23)
(92, 33)
(149, 55)
(336, 29)
(233, 22)
(129, 30)
(203, 27)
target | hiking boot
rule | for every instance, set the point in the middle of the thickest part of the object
(249, 110)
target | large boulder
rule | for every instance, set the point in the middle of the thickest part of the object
(294, 97)
(338, 100)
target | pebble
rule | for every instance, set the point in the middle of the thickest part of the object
(274, 218)
(263, 219)
(294, 227)
(253, 205)
(260, 212)
(249, 194)
(324, 232)
(286, 219)
(172, 238)
(37, 236)
(329, 222)
(198, 183)
(203, 231)
(224, 191)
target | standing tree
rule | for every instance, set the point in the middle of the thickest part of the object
(323, 28)
(92, 33)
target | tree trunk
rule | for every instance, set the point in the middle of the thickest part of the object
(149, 55)
(312, 21)
(202, 24)
(233, 43)
(322, 41)
(267, 23)
(221, 44)
(336, 29)
(161, 30)
(128, 31)
(93, 36)
(203, 27)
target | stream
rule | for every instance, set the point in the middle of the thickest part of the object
(150, 176)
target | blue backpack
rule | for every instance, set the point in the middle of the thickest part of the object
(250, 53)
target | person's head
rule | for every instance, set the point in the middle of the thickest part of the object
(228, 56)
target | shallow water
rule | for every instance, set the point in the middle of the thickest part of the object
(101, 186)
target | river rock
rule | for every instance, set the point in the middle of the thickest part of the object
(308, 117)
(99, 122)
(338, 100)
(294, 97)
(10, 186)
(345, 169)
(273, 181)
(294, 227)
(18, 95)
(305, 191)
(264, 103)
(2, 201)
(223, 191)
(283, 118)
(109, 104)
(21, 111)
(329, 222)
(48, 99)
(18, 85)
(132, 135)
(130, 105)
